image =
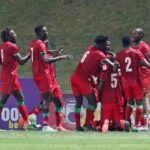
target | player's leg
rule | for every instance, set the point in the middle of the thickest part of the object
(138, 113)
(79, 101)
(21, 104)
(57, 99)
(129, 110)
(77, 87)
(32, 118)
(144, 125)
(45, 109)
(37, 109)
(118, 118)
(90, 110)
(106, 116)
(58, 113)
(3, 99)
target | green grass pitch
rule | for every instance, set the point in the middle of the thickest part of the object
(36, 140)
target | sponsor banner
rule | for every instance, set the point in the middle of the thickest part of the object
(10, 115)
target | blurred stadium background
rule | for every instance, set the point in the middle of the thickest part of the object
(74, 24)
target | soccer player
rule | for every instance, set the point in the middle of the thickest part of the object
(56, 94)
(112, 103)
(41, 72)
(89, 64)
(10, 58)
(144, 48)
(130, 61)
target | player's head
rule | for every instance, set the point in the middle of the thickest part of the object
(41, 32)
(126, 41)
(138, 34)
(8, 34)
(101, 42)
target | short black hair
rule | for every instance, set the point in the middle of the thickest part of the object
(126, 41)
(38, 29)
(5, 34)
(100, 39)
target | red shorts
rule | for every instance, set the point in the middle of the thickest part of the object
(55, 88)
(132, 89)
(80, 86)
(43, 83)
(10, 84)
(112, 112)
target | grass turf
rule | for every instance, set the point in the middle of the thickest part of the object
(35, 140)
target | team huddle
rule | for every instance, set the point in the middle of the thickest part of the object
(119, 81)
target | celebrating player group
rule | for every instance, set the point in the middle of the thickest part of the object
(118, 81)
(122, 81)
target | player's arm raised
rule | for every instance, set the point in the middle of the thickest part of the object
(21, 60)
(114, 65)
(50, 60)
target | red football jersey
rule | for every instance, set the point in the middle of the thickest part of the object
(112, 92)
(9, 64)
(144, 48)
(39, 68)
(129, 61)
(90, 62)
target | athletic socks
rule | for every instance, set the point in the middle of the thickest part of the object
(89, 114)
(77, 117)
(45, 119)
(36, 110)
(58, 115)
(23, 110)
(138, 114)
(128, 112)
(144, 120)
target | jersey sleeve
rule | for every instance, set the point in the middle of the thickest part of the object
(14, 49)
(42, 47)
(140, 55)
(102, 56)
(145, 49)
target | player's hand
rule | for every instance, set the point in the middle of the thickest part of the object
(116, 66)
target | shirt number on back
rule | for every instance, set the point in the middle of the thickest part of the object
(2, 55)
(32, 54)
(128, 66)
(84, 56)
(114, 80)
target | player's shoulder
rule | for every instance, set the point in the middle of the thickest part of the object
(11, 45)
(121, 51)
(145, 45)
(91, 48)
(36, 41)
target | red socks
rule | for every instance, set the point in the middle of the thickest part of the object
(138, 113)
(23, 111)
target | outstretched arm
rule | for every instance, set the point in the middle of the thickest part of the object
(21, 60)
(57, 52)
(50, 60)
